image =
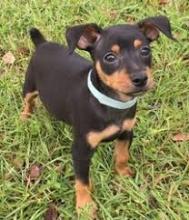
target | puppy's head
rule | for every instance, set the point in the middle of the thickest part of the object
(121, 53)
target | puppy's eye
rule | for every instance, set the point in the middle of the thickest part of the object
(145, 51)
(110, 57)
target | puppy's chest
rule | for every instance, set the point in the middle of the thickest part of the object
(110, 132)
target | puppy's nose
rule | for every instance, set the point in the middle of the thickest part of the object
(140, 80)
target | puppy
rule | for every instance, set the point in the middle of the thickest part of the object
(97, 98)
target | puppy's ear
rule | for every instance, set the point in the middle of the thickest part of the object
(82, 36)
(153, 25)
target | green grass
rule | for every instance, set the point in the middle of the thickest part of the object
(160, 189)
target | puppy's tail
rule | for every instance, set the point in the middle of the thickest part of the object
(36, 36)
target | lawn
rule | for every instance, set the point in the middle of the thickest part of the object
(160, 188)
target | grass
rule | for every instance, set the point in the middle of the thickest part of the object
(160, 189)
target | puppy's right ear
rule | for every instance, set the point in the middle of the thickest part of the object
(83, 36)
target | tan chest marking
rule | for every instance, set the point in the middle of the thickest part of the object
(128, 124)
(95, 137)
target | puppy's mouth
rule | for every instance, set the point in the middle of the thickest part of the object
(140, 91)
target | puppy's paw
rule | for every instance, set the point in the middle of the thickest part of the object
(24, 116)
(125, 171)
(87, 209)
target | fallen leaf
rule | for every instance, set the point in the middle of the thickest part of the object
(51, 213)
(34, 173)
(153, 202)
(8, 58)
(23, 51)
(164, 2)
(181, 137)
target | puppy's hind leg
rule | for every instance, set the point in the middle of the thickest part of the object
(29, 94)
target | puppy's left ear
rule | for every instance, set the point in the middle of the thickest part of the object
(82, 36)
(153, 25)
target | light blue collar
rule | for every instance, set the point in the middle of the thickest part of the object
(105, 100)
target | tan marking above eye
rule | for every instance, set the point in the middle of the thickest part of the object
(115, 48)
(137, 43)
(95, 137)
(128, 124)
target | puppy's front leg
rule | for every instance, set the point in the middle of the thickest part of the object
(122, 153)
(82, 153)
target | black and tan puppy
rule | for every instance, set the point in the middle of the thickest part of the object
(97, 98)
